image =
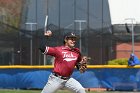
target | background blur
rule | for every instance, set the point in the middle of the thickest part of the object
(22, 27)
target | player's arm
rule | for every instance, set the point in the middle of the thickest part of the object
(43, 43)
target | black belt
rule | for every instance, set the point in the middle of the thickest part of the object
(62, 77)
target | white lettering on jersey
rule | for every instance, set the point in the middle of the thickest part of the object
(69, 56)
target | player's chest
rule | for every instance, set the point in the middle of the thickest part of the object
(68, 55)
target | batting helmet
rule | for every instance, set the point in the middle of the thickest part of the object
(70, 34)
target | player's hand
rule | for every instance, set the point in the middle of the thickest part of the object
(48, 33)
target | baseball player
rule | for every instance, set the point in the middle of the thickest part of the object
(66, 58)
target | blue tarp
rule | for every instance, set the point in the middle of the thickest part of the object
(111, 78)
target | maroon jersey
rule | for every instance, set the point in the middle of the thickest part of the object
(65, 59)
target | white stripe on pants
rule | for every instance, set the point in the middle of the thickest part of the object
(55, 83)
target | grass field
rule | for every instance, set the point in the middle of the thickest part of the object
(60, 91)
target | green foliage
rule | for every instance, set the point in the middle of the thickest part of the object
(10, 14)
(122, 61)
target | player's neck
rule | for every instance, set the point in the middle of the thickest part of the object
(70, 47)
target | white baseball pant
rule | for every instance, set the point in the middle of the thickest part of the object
(55, 83)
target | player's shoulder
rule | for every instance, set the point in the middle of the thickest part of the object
(59, 47)
(62, 47)
(77, 50)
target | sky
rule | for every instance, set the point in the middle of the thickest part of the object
(124, 11)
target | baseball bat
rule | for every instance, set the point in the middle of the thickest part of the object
(46, 21)
(45, 26)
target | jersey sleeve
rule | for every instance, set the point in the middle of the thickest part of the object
(79, 58)
(79, 54)
(43, 43)
(50, 51)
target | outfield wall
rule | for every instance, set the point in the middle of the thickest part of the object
(114, 77)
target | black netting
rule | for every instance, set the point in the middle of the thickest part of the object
(98, 37)
(96, 43)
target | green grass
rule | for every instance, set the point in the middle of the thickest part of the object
(19, 91)
(34, 91)
(60, 91)
(28, 91)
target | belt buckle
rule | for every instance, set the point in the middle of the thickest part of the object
(65, 78)
(55, 74)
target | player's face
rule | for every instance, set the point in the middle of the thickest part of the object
(70, 42)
